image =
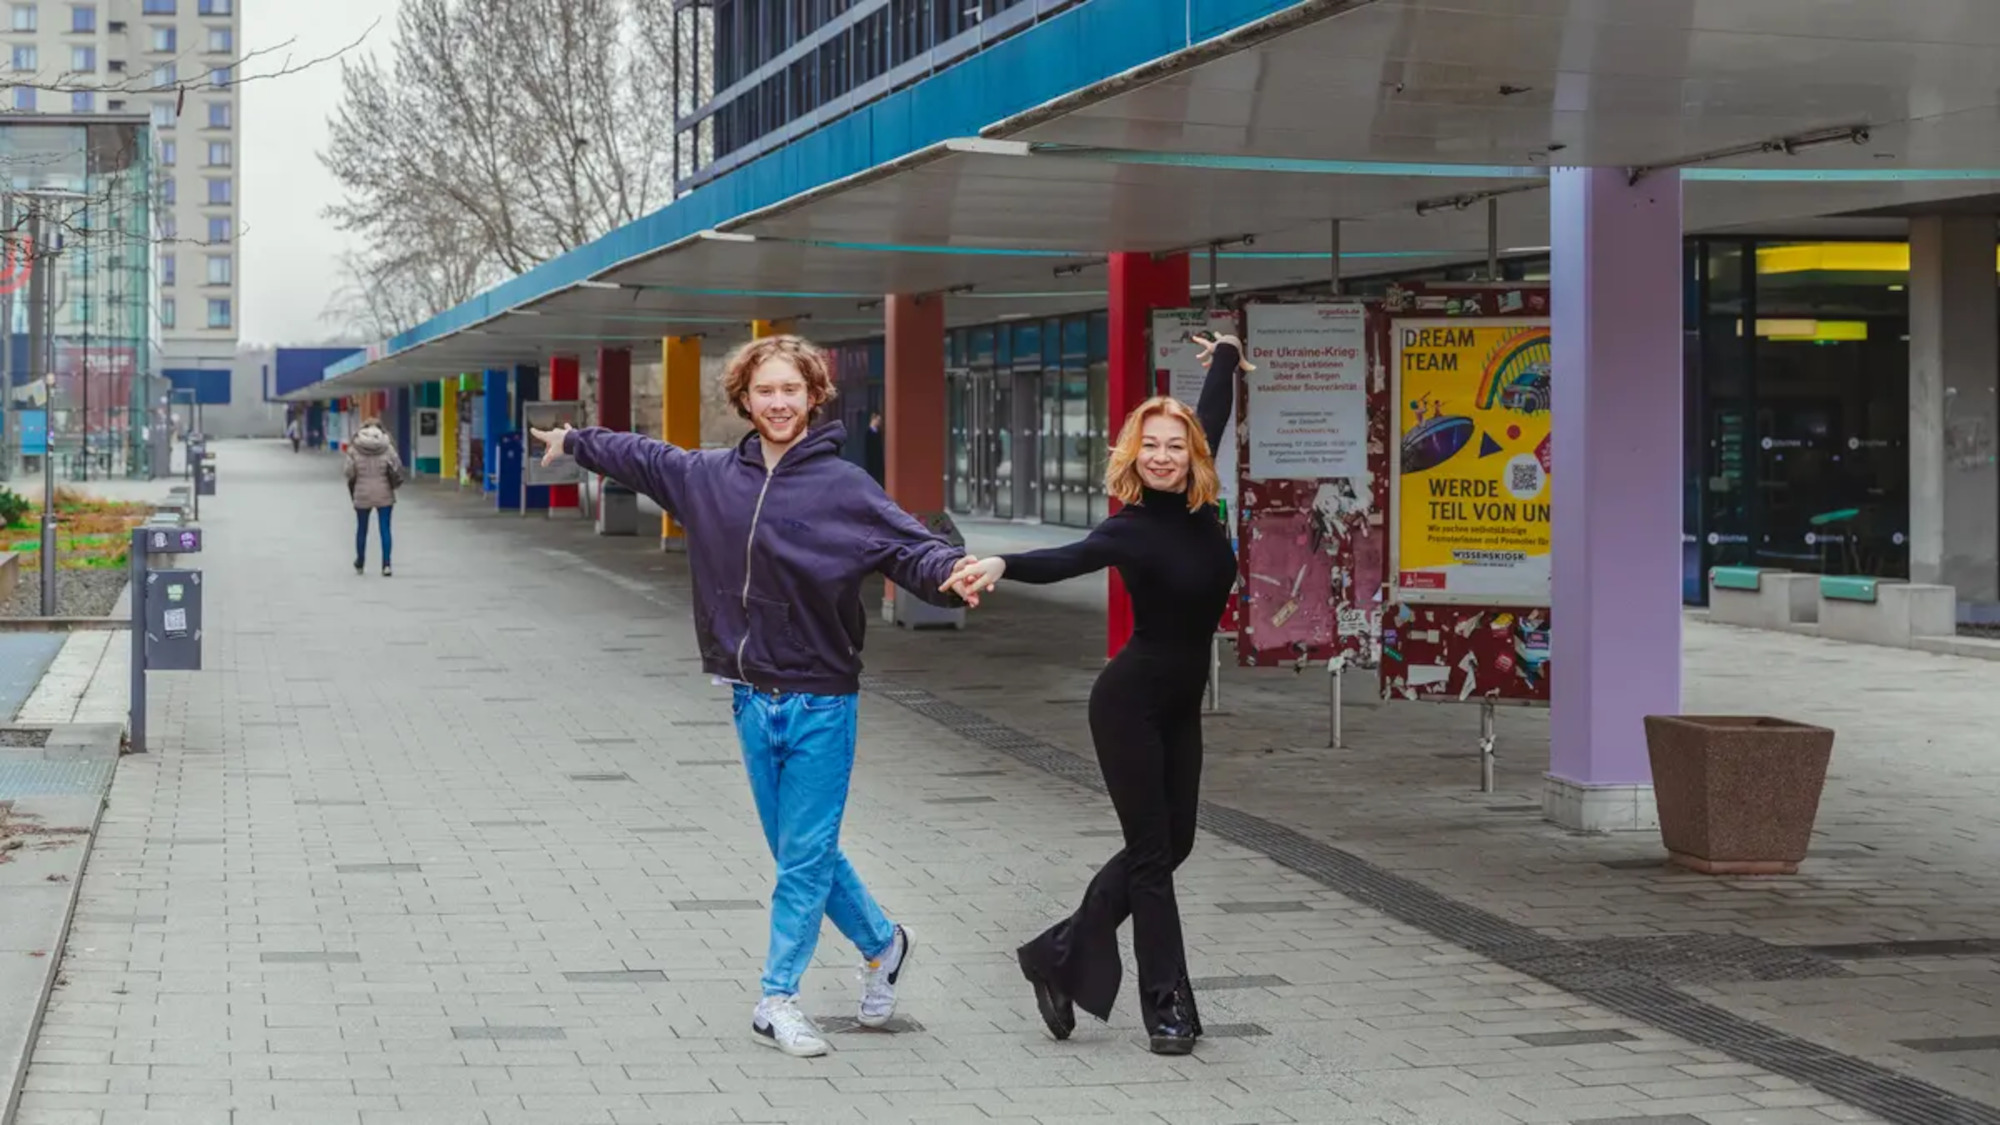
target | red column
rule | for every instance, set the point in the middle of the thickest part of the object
(614, 388)
(913, 418)
(1139, 284)
(563, 387)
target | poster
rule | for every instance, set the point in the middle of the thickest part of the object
(549, 416)
(1307, 400)
(1178, 371)
(1471, 460)
(430, 439)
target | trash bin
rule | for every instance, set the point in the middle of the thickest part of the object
(912, 612)
(617, 510)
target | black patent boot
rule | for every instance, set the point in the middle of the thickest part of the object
(1174, 1026)
(1058, 1013)
(1185, 996)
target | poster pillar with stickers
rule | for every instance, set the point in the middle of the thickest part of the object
(1466, 613)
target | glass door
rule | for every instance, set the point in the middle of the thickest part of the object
(1000, 424)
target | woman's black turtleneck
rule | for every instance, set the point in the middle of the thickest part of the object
(1177, 565)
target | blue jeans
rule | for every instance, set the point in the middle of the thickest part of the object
(361, 534)
(799, 750)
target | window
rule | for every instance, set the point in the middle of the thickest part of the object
(167, 312)
(221, 270)
(83, 17)
(24, 97)
(83, 60)
(218, 312)
(220, 154)
(221, 190)
(219, 115)
(83, 101)
(168, 271)
(222, 40)
(170, 191)
(170, 225)
(170, 153)
(26, 57)
(215, 7)
(166, 39)
(24, 18)
(163, 115)
(220, 77)
(221, 228)
(165, 75)
(115, 104)
(159, 7)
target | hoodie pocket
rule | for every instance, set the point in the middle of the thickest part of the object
(771, 643)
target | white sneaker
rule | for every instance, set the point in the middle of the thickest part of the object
(878, 981)
(779, 1023)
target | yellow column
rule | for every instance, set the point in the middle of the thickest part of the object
(762, 328)
(680, 412)
(448, 430)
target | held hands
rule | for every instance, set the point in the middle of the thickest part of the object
(971, 577)
(556, 440)
(1208, 342)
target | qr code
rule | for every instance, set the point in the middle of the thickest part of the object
(177, 621)
(1524, 478)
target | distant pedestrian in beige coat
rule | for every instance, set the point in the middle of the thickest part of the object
(374, 473)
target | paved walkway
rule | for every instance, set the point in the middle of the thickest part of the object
(472, 845)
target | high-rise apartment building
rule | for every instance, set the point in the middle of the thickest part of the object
(176, 61)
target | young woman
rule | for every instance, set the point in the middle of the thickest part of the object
(374, 473)
(1169, 544)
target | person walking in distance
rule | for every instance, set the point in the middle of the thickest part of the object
(781, 532)
(292, 432)
(374, 473)
(1169, 543)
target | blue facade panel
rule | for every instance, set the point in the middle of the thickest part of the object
(210, 385)
(302, 367)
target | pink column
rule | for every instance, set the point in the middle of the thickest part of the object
(1616, 623)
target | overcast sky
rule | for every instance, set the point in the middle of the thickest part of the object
(289, 249)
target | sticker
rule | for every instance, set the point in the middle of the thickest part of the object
(1353, 622)
(175, 592)
(176, 622)
(159, 540)
(1425, 675)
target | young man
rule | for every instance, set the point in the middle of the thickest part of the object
(780, 534)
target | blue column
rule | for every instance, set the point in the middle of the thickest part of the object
(528, 388)
(496, 418)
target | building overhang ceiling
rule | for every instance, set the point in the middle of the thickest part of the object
(1399, 118)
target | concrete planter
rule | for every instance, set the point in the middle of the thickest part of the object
(1737, 794)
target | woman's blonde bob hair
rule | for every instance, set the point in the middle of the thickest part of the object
(1121, 476)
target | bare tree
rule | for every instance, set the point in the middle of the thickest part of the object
(500, 134)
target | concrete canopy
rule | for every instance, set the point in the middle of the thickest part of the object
(1397, 117)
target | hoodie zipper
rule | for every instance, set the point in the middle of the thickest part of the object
(750, 553)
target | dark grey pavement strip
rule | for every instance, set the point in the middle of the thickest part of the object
(600, 777)
(508, 1033)
(1293, 907)
(1952, 1045)
(1898, 950)
(1575, 1038)
(839, 1025)
(1219, 984)
(310, 958)
(1622, 989)
(617, 976)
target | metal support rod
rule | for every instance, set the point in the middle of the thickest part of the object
(1493, 238)
(137, 566)
(1212, 281)
(1335, 258)
(1336, 669)
(1486, 756)
(41, 325)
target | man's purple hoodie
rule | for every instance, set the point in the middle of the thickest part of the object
(778, 557)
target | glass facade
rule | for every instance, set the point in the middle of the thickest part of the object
(776, 63)
(1796, 435)
(92, 182)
